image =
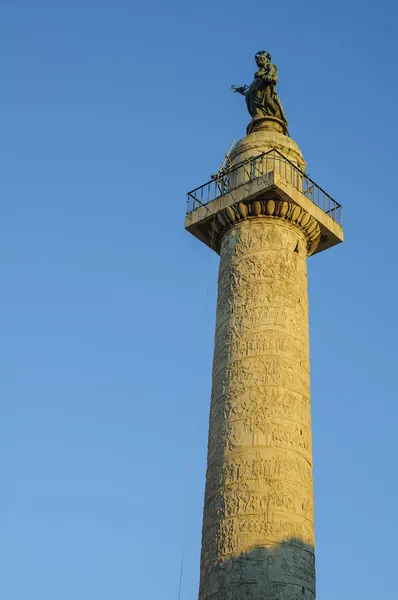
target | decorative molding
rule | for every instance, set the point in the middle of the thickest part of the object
(275, 209)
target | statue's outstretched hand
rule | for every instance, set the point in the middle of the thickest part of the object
(240, 90)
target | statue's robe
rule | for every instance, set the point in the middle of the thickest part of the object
(261, 97)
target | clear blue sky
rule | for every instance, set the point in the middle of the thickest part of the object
(110, 113)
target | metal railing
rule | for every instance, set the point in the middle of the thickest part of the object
(232, 178)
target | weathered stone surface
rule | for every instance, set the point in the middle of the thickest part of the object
(258, 537)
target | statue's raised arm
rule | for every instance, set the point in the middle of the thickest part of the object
(241, 90)
(262, 100)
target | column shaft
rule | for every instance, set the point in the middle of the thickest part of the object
(258, 540)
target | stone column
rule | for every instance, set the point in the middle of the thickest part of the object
(258, 535)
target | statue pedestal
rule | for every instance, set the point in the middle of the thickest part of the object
(264, 137)
(260, 123)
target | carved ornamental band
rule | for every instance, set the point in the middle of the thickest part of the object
(278, 209)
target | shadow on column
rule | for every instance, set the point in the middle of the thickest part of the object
(285, 571)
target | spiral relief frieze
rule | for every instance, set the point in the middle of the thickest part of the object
(258, 539)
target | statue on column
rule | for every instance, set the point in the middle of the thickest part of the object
(261, 97)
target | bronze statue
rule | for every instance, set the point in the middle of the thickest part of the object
(261, 97)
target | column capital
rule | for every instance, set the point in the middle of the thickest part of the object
(268, 208)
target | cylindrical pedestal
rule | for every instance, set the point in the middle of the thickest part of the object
(258, 539)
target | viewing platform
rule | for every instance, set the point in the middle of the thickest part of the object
(269, 176)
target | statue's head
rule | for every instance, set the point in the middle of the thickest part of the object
(262, 57)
